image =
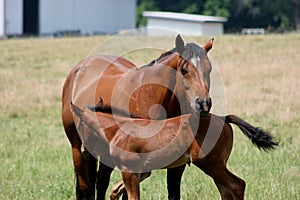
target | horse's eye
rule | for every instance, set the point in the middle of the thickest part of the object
(183, 71)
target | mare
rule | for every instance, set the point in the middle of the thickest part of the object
(187, 135)
(144, 92)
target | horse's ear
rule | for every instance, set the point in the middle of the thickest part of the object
(209, 45)
(179, 44)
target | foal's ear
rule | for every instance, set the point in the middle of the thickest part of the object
(179, 44)
(76, 110)
(209, 45)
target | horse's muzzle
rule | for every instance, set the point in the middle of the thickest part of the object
(203, 106)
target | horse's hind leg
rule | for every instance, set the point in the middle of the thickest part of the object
(224, 192)
(92, 169)
(82, 182)
(83, 190)
(102, 182)
(230, 186)
(92, 174)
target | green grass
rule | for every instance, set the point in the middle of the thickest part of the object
(261, 78)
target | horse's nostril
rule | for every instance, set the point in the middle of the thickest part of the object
(204, 105)
(209, 102)
(197, 101)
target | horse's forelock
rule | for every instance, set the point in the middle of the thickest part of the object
(193, 50)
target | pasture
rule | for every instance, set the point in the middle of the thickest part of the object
(261, 80)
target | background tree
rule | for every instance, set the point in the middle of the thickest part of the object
(279, 15)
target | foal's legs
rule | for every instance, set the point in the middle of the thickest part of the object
(230, 186)
(119, 188)
(132, 185)
(173, 179)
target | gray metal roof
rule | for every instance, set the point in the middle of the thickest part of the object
(183, 16)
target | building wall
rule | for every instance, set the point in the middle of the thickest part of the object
(2, 18)
(56, 15)
(88, 16)
(183, 27)
(212, 28)
(13, 17)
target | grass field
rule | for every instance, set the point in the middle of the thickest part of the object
(261, 79)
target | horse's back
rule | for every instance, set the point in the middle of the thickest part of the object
(84, 83)
(97, 67)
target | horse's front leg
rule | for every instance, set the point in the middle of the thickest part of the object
(174, 179)
(132, 185)
(103, 177)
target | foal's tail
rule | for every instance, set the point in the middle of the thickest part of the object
(262, 139)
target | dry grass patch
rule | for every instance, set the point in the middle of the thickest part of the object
(261, 81)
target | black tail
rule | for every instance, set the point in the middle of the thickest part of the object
(262, 139)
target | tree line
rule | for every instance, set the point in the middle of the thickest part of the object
(273, 15)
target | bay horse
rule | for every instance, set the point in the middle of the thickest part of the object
(111, 77)
(188, 134)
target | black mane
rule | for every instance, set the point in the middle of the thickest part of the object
(191, 50)
(159, 58)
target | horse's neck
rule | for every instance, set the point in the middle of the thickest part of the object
(173, 106)
(170, 61)
(168, 69)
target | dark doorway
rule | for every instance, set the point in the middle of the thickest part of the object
(30, 17)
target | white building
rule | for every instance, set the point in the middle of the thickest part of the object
(47, 17)
(187, 24)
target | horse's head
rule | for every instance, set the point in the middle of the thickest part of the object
(195, 88)
(192, 67)
(198, 68)
(188, 84)
(196, 55)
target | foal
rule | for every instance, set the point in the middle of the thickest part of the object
(210, 151)
(207, 142)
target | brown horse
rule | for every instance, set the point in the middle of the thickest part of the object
(144, 92)
(207, 143)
